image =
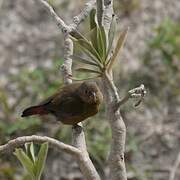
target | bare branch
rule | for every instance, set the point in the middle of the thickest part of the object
(15, 143)
(116, 157)
(109, 81)
(61, 24)
(174, 168)
(86, 166)
(76, 20)
(84, 13)
(138, 92)
(68, 52)
(100, 11)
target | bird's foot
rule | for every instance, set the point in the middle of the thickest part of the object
(77, 127)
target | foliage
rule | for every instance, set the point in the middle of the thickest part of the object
(33, 164)
(98, 47)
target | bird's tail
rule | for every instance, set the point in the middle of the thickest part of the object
(40, 110)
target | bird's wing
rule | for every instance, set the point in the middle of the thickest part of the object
(66, 105)
(60, 94)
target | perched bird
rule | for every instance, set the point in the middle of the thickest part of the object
(71, 104)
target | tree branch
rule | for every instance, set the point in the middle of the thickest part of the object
(118, 128)
(79, 141)
(84, 13)
(138, 92)
(61, 24)
(15, 143)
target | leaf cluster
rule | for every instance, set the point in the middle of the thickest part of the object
(97, 47)
(34, 165)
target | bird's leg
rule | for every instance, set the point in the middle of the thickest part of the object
(77, 127)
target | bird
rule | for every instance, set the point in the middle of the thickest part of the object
(71, 104)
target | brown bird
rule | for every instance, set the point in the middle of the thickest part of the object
(71, 104)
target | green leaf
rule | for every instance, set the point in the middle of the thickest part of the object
(87, 70)
(40, 162)
(111, 35)
(87, 45)
(85, 61)
(77, 35)
(94, 29)
(119, 46)
(25, 161)
(103, 33)
(30, 150)
(94, 38)
(91, 56)
(92, 19)
(82, 41)
(101, 41)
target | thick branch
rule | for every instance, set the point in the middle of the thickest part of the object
(15, 143)
(116, 157)
(78, 138)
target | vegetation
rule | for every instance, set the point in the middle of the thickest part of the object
(162, 56)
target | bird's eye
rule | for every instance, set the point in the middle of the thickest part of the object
(86, 91)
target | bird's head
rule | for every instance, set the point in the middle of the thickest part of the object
(90, 93)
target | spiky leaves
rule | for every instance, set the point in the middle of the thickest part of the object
(98, 47)
(119, 46)
(34, 165)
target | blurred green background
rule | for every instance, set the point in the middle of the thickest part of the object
(31, 54)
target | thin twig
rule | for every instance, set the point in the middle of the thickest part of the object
(138, 92)
(61, 24)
